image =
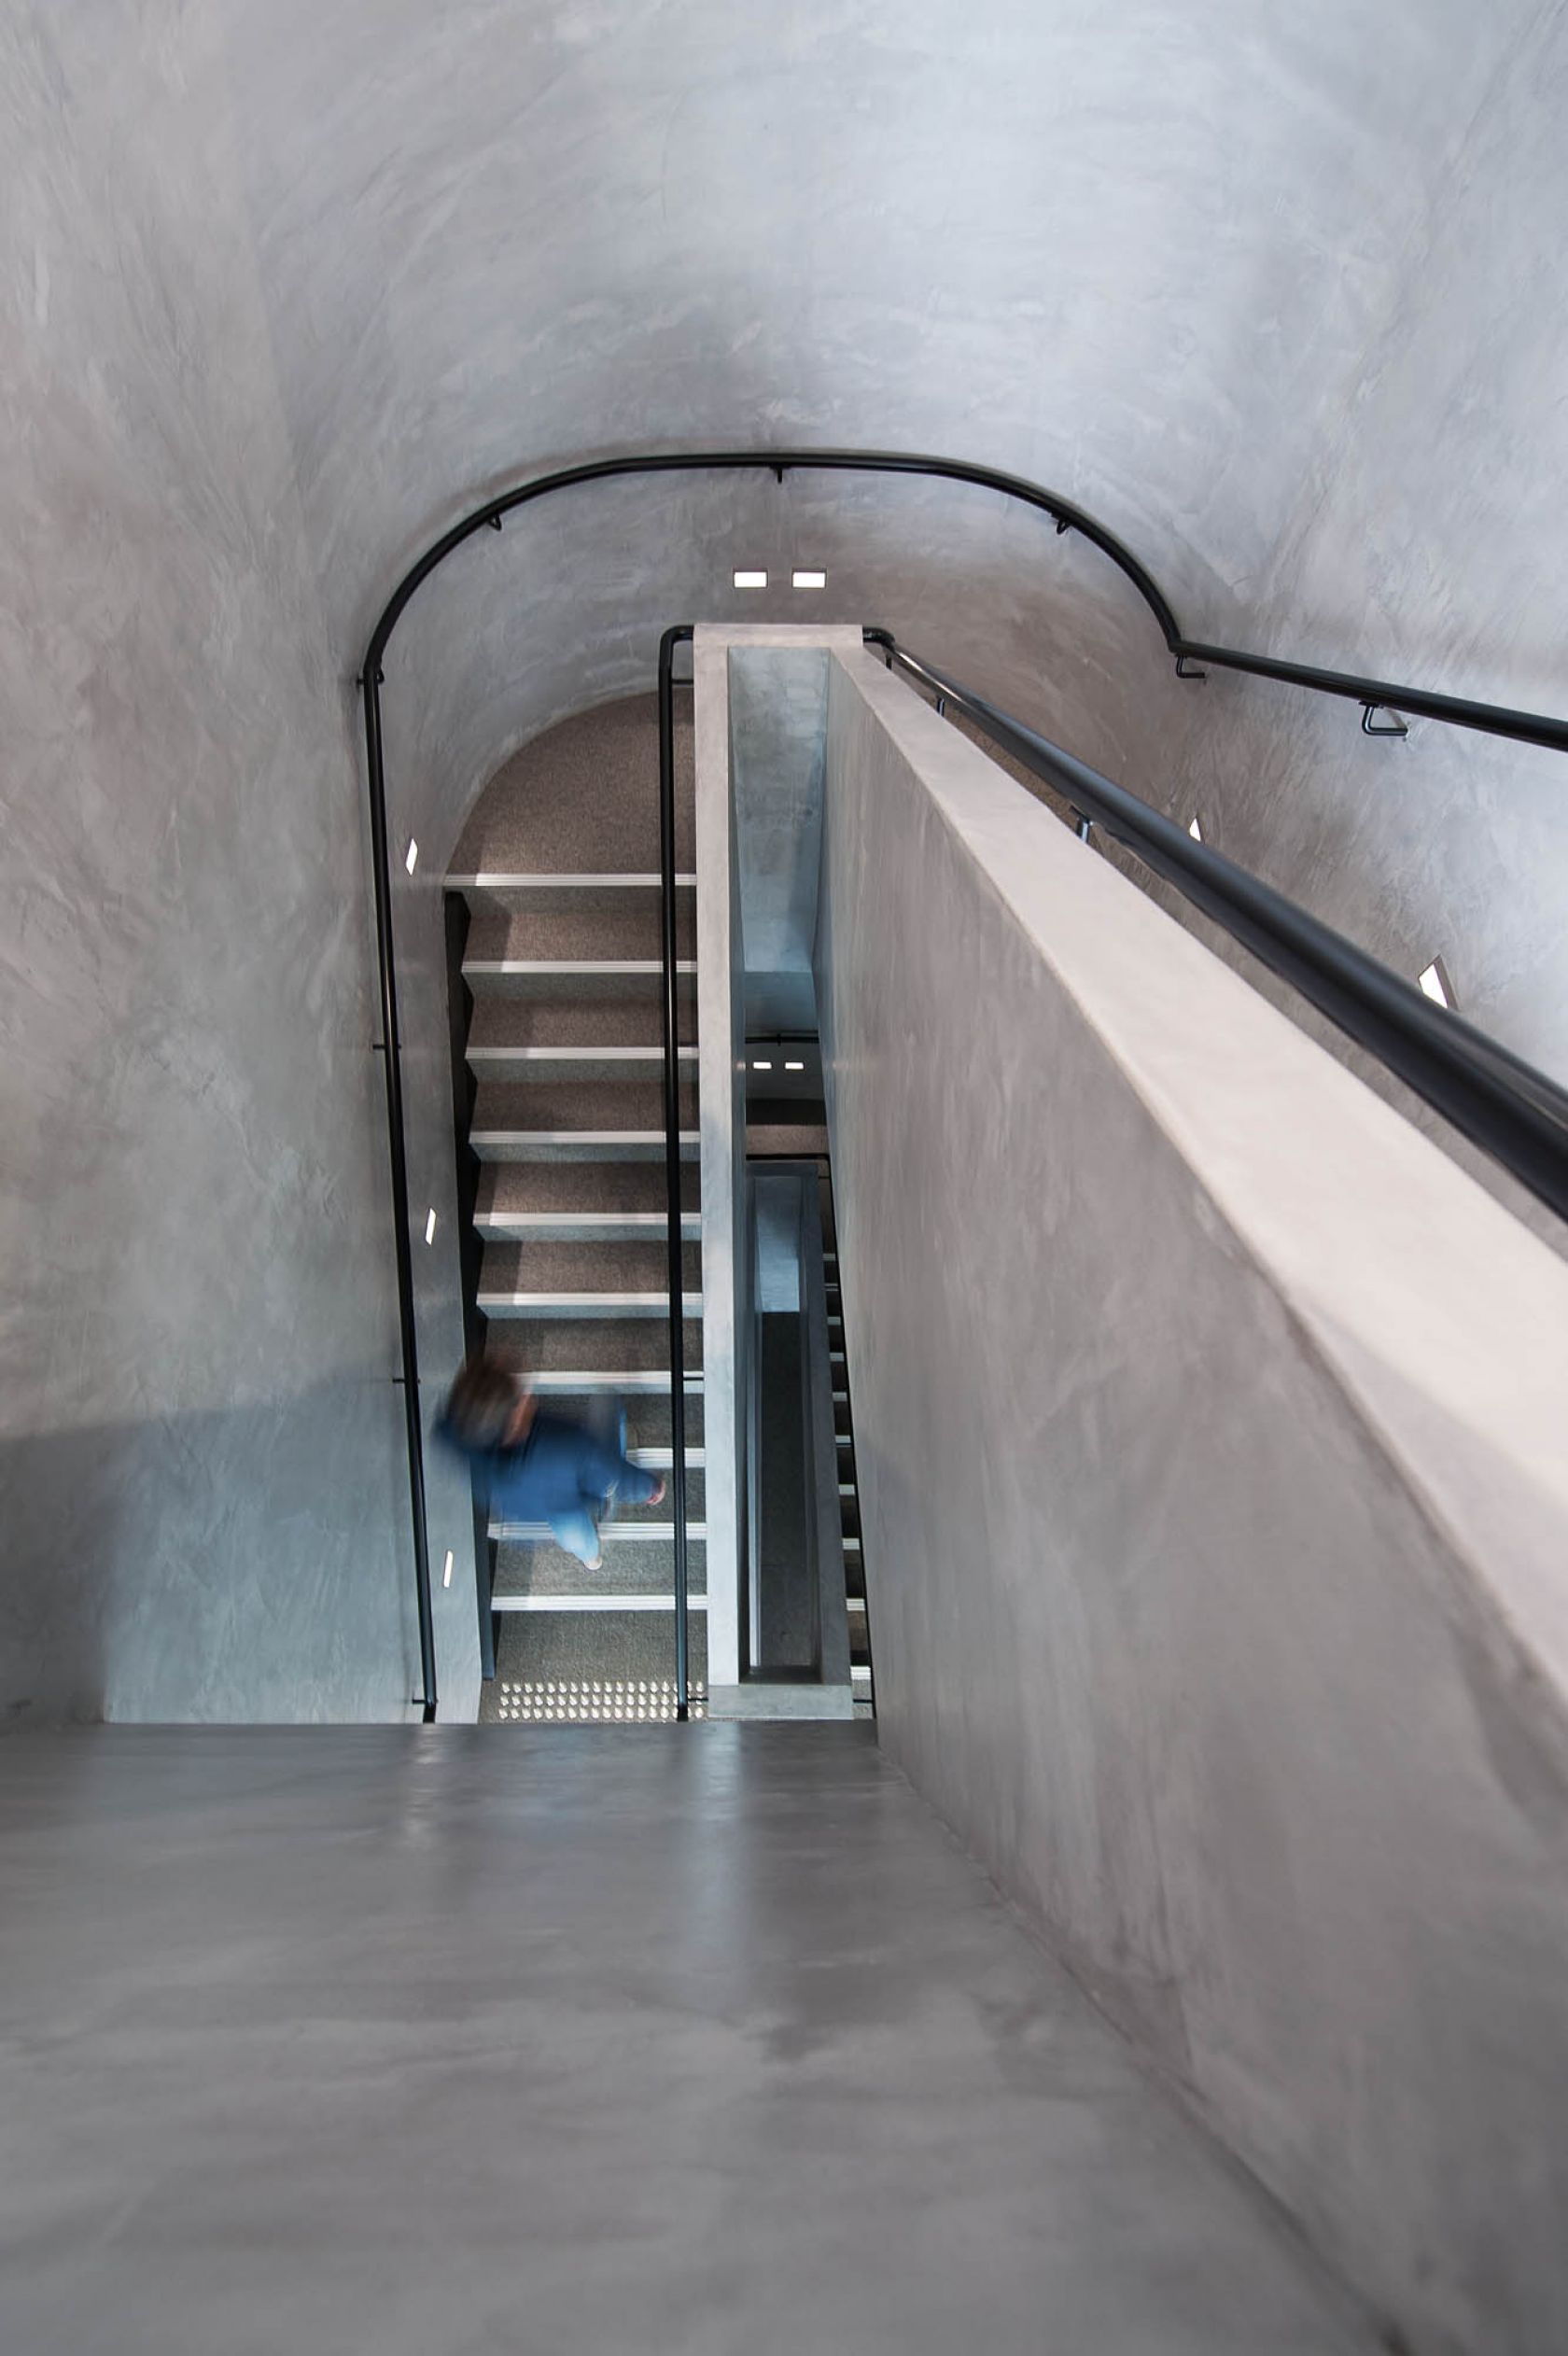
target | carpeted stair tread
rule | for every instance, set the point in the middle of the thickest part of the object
(584, 795)
(568, 1269)
(532, 1189)
(590, 1345)
(539, 1567)
(573, 934)
(614, 1106)
(585, 1023)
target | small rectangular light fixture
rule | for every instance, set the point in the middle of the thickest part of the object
(808, 579)
(430, 1228)
(1435, 983)
(794, 1066)
(761, 1063)
(446, 1575)
(1196, 832)
(412, 859)
(750, 580)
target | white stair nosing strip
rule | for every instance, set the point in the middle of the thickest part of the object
(654, 1222)
(617, 1533)
(576, 1054)
(543, 1137)
(639, 1379)
(594, 1603)
(585, 1304)
(484, 968)
(540, 880)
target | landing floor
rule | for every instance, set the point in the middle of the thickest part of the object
(624, 2042)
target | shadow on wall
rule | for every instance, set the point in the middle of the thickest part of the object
(220, 1566)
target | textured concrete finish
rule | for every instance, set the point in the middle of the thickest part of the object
(288, 284)
(202, 1500)
(1276, 301)
(685, 2041)
(1208, 1437)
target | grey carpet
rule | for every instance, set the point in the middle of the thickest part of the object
(583, 800)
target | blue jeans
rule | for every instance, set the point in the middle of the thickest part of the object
(605, 1474)
(577, 1532)
(565, 1475)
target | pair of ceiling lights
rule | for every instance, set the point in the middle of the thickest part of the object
(798, 579)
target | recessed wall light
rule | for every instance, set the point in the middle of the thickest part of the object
(446, 1575)
(794, 1066)
(750, 580)
(1196, 832)
(759, 1063)
(1435, 983)
(410, 860)
(430, 1228)
(808, 579)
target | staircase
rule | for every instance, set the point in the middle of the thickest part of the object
(564, 1042)
(848, 1489)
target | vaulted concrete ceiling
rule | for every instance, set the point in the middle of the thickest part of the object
(1270, 297)
(1146, 252)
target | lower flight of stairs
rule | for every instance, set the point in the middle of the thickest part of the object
(848, 1491)
(565, 1047)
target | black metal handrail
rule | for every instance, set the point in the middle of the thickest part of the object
(391, 1046)
(674, 1242)
(1372, 694)
(1514, 1112)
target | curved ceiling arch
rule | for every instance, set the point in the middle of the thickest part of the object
(1272, 301)
(1147, 254)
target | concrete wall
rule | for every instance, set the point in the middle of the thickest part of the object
(203, 1510)
(1209, 1438)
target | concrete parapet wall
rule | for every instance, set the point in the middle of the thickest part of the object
(1210, 1436)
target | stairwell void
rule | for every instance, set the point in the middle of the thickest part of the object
(558, 870)
(554, 981)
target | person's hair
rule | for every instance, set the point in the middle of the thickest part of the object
(481, 1405)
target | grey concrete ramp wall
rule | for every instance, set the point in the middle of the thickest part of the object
(1209, 1428)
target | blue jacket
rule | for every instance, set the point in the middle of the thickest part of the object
(559, 1468)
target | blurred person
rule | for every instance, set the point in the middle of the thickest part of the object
(536, 1466)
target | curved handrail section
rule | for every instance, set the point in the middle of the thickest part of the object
(1513, 1112)
(1371, 693)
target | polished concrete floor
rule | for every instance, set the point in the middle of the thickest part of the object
(701, 2039)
